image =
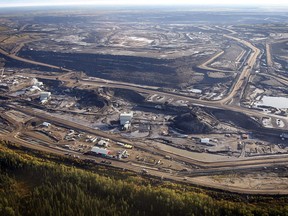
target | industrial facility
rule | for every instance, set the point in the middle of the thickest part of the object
(214, 103)
(44, 97)
(125, 120)
(100, 151)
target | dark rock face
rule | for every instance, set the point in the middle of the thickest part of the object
(238, 119)
(189, 123)
(129, 95)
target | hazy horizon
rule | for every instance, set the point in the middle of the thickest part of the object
(27, 3)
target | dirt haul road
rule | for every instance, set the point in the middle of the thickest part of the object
(68, 124)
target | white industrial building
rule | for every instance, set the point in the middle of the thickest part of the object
(205, 140)
(46, 124)
(100, 151)
(126, 118)
(44, 96)
(35, 82)
(34, 88)
(103, 143)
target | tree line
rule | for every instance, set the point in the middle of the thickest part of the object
(31, 185)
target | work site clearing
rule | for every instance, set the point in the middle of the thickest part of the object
(181, 99)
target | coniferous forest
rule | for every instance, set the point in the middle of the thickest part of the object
(37, 183)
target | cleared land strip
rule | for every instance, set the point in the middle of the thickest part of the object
(76, 126)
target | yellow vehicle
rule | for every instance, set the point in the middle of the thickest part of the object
(127, 146)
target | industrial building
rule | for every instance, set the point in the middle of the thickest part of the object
(46, 124)
(100, 151)
(44, 96)
(103, 143)
(205, 140)
(126, 119)
(35, 82)
(34, 88)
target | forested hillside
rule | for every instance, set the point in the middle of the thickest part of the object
(33, 183)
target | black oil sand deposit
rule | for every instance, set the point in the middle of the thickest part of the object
(280, 48)
(131, 69)
(189, 123)
(13, 63)
(128, 95)
(121, 68)
(239, 119)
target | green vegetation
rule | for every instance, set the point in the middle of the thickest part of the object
(32, 183)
